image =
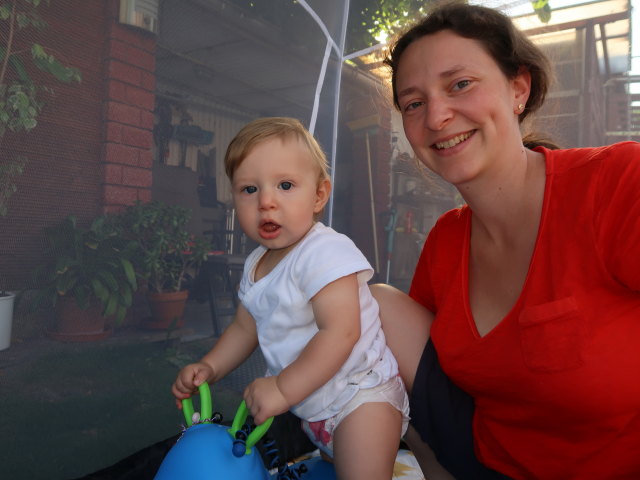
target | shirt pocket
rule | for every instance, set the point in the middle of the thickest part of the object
(553, 335)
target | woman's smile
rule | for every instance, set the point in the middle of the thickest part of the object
(457, 105)
(452, 142)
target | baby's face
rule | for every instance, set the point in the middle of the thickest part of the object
(276, 193)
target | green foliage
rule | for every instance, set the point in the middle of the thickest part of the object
(20, 102)
(367, 19)
(372, 19)
(8, 171)
(542, 9)
(89, 264)
(166, 252)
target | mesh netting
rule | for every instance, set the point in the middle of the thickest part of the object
(106, 103)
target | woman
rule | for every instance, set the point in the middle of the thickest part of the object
(534, 284)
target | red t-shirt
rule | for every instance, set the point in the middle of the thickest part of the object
(557, 382)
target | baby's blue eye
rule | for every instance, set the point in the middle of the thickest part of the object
(286, 185)
(250, 189)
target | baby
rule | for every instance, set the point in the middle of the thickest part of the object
(305, 301)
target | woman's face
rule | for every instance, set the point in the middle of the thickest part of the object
(457, 106)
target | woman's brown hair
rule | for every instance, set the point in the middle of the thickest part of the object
(508, 46)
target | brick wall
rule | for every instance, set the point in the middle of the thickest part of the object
(129, 66)
(91, 149)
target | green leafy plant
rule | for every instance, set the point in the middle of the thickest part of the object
(90, 265)
(368, 20)
(9, 170)
(20, 96)
(372, 21)
(167, 253)
(542, 9)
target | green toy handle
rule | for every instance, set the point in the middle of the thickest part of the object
(256, 434)
(205, 405)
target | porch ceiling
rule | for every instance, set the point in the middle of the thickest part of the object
(211, 49)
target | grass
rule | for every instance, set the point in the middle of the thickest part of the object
(81, 407)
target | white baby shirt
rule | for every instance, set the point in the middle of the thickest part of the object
(280, 305)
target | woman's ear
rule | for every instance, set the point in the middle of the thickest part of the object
(322, 195)
(521, 85)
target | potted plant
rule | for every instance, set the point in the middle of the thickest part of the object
(168, 255)
(89, 277)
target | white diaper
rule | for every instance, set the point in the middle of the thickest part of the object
(393, 392)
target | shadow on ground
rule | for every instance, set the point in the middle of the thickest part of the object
(72, 409)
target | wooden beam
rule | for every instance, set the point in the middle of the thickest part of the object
(605, 50)
(613, 17)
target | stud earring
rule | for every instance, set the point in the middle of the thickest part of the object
(520, 108)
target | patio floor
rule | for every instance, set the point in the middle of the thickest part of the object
(70, 409)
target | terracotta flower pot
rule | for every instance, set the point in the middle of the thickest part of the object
(74, 324)
(167, 310)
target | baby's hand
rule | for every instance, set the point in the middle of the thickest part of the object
(264, 399)
(189, 379)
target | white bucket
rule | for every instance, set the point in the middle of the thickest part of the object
(6, 317)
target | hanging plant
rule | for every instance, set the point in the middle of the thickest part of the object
(20, 102)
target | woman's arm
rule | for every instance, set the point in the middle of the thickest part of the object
(406, 325)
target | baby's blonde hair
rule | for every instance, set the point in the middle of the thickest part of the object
(266, 128)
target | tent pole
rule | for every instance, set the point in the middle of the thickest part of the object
(339, 49)
(373, 205)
